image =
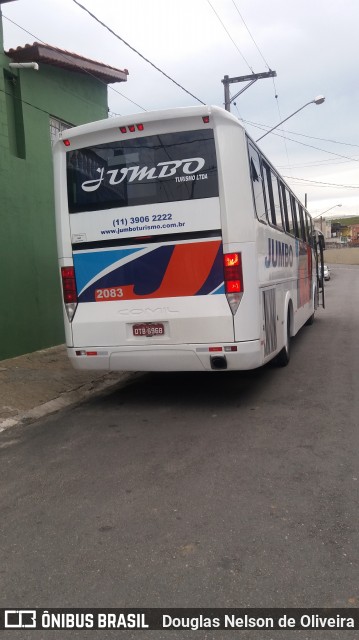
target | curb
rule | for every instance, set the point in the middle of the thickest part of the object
(67, 399)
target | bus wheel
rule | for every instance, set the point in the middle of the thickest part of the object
(283, 357)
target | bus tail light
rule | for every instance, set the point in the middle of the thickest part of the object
(233, 279)
(132, 128)
(69, 291)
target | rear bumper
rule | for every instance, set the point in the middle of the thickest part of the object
(191, 357)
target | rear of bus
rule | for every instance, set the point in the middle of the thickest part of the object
(147, 285)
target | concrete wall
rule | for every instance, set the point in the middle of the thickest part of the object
(30, 306)
(342, 256)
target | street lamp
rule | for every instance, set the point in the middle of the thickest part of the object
(320, 215)
(317, 100)
(323, 212)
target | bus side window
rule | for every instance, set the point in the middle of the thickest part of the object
(257, 184)
(267, 182)
(283, 198)
(291, 228)
(308, 224)
(276, 201)
(303, 233)
(295, 216)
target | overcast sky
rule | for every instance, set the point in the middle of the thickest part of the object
(313, 45)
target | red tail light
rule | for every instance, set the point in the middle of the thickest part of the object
(69, 285)
(66, 142)
(132, 128)
(233, 277)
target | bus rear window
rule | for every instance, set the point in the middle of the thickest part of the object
(146, 170)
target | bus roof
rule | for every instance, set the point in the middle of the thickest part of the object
(148, 116)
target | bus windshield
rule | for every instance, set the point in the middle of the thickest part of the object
(144, 170)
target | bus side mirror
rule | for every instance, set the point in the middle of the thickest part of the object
(320, 240)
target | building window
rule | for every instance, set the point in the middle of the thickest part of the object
(56, 126)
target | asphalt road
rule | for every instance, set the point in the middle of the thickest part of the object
(196, 490)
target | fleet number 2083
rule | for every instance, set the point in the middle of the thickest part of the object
(103, 295)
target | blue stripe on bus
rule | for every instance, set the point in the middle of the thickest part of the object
(139, 271)
(89, 264)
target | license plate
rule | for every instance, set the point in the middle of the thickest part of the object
(148, 329)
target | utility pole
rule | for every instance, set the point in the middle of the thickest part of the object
(251, 79)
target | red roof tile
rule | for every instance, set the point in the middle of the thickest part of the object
(46, 54)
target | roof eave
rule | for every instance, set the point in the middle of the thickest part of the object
(45, 54)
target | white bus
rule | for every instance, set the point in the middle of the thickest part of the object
(180, 246)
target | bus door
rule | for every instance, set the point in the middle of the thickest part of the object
(319, 246)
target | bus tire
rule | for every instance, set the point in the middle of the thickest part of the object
(283, 357)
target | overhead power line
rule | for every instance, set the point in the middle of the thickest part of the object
(258, 49)
(269, 68)
(137, 52)
(304, 144)
(264, 127)
(318, 163)
(327, 184)
(229, 35)
(266, 63)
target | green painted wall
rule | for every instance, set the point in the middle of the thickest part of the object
(30, 302)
